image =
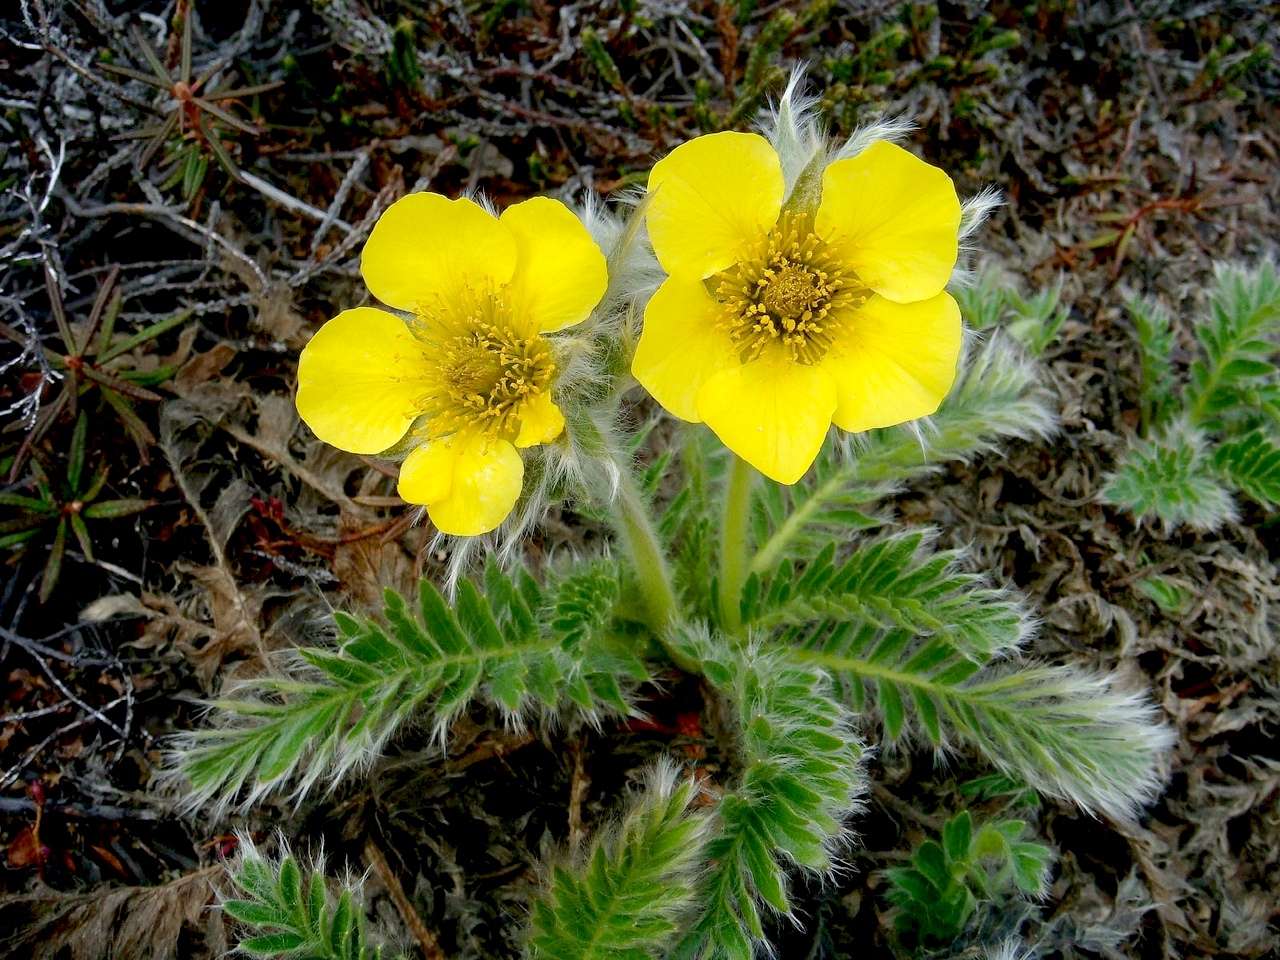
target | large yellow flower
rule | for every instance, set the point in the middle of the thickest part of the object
(779, 316)
(467, 378)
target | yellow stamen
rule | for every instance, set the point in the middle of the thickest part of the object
(790, 292)
(483, 369)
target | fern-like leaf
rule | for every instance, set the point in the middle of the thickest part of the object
(891, 582)
(999, 395)
(515, 647)
(1239, 341)
(1251, 464)
(628, 896)
(1064, 732)
(290, 912)
(1170, 478)
(801, 775)
(1154, 327)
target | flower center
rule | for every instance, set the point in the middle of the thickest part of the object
(483, 371)
(789, 293)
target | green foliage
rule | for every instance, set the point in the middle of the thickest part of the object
(193, 120)
(1218, 432)
(1251, 464)
(628, 896)
(1062, 731)
(1171, 477)
(1173, 599)
(292, 914)
(998, 396)
(595, 50)
(938, 894)
(800, 775)
(1238, 341)
(518, 648)
(93, 358)
(892, 583)
(66, 502)
(1034, 321)
(1155, 332)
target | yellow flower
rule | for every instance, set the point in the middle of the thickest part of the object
(776, 321)
(467, 379)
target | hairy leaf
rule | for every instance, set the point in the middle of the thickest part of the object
(290, 913)
(1063, 731)
(1239, 341)
(1171, 478)
(801, 774)
(1251, 464)
(627, 896)
(890, 582)
(998, 395)
(517, 648)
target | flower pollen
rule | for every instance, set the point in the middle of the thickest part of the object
(790, 292)
(485, 370)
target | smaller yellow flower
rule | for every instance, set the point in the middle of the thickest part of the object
(467, 378)
(781, 317)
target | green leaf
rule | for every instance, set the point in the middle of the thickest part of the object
(1238, 341)
(937, 898)
(1154, 327)
(894, 582)
(626, 897)
(256, 914)
(802, 770)
(112, 509)
(999, 394)
(142, 336)
(1063, 731)
(75, 453)
(273, 945)
(300, 732)
(53, 566)
(1251, 464)
(82, 536)
(1170, 478)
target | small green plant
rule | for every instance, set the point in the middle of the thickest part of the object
(194, 119)
(1034, 321)
(66, 502)
(94, 358)
(938, 895)
(290, 912)
(1212, 431)
(758, 556)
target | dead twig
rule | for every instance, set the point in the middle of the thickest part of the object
(578, 787)
(426, 939)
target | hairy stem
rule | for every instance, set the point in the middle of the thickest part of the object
(734, 529)
(640, 539)
(767, 556)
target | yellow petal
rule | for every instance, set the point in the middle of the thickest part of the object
(712, 198)
(680, 348)
(427, 473)
(894, 218)
(468, 484)
(427, 248)
(897, 363)
(540, 421)
(772, 413)
(560, 272)
(358, 379)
